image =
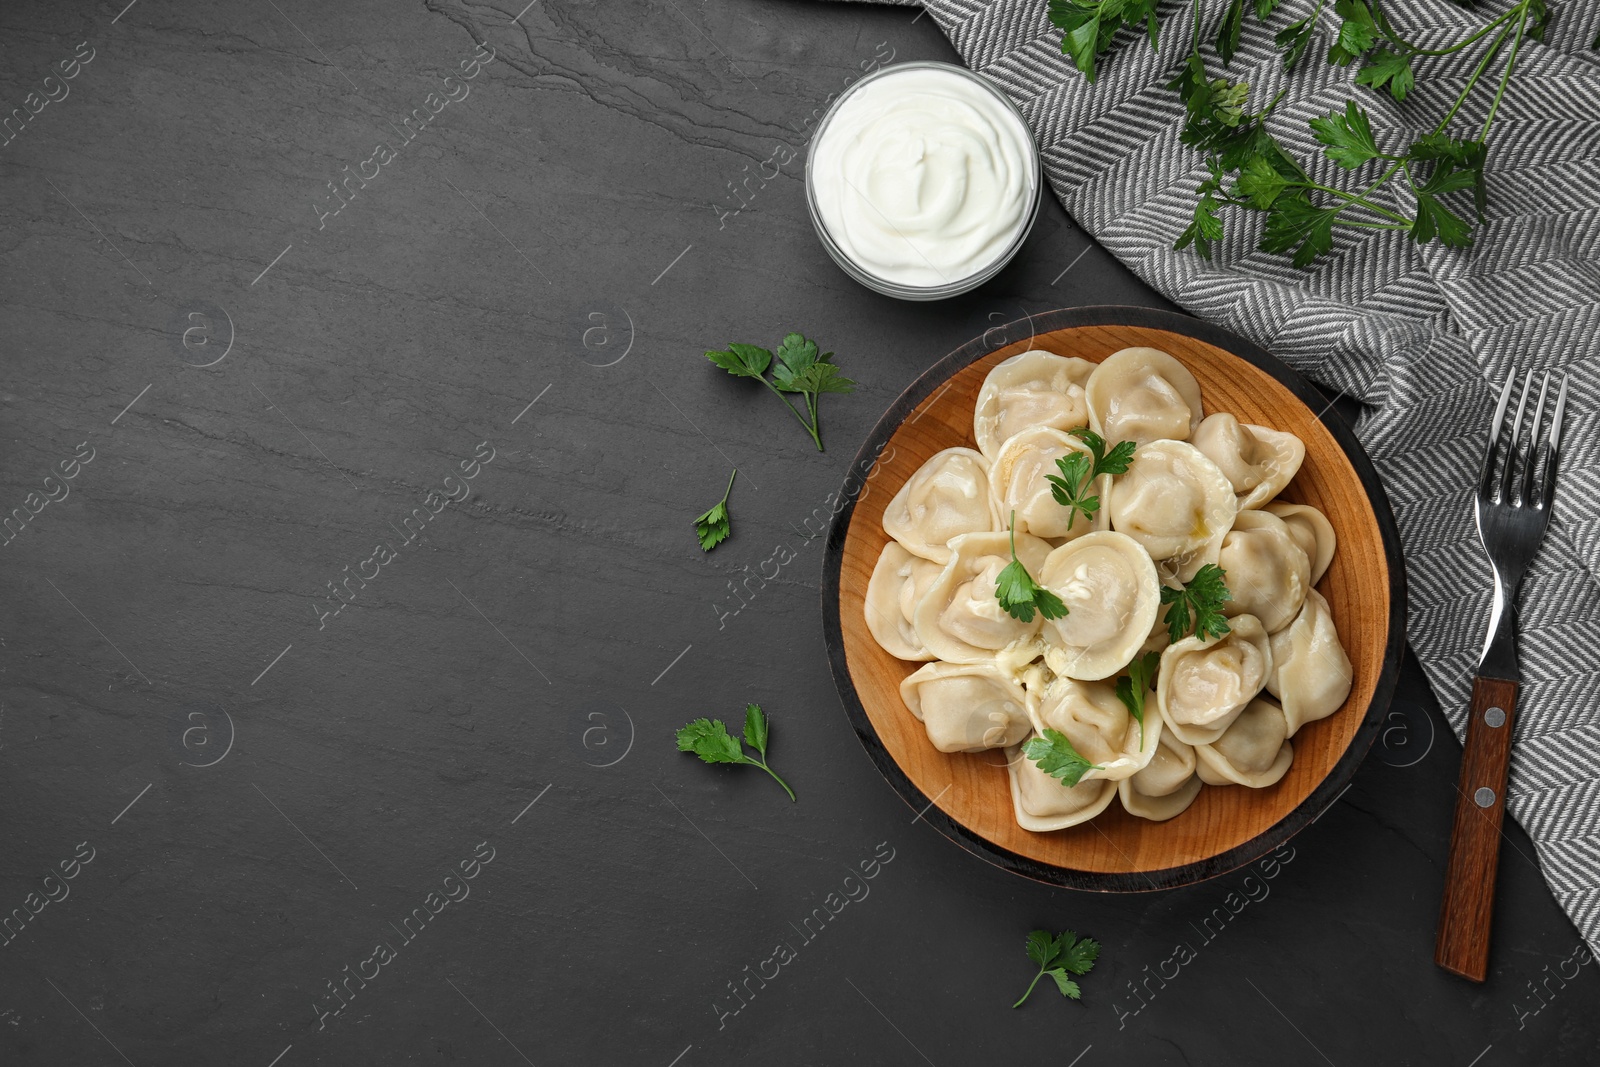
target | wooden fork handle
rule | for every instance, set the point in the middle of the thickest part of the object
(1463, 944)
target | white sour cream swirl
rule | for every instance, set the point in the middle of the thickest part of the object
(923, 177)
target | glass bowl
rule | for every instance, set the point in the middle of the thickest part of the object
(863, 273)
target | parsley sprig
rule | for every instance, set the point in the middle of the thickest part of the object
(1019, 594)
(1132, 687)
(1056, 757)
(1249, 169)
(1090, 25)
(709, 739)
(713, 527)
(1198, 605)
(1060, 957)
(799, 368)
(1072, 488)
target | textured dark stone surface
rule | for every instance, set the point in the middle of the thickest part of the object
(296, 791)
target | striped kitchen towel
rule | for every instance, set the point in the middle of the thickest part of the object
(1418, 334)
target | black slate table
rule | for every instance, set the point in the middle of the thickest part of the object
(341, 671)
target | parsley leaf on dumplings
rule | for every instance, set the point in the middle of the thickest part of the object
(1072, 488)
(1197, 607)
(1056, 757)
(1019, 594)
(1132, 687)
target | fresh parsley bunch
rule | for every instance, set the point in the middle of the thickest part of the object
(1249, 169)
(1061, 957)
(798, 368)
(709, 739)
(1072, 488)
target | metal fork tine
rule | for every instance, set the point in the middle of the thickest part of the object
(1511, 448)
(1535, 447)
(1553, 447)
(1485, 476)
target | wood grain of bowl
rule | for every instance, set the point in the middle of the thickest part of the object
(966, 795)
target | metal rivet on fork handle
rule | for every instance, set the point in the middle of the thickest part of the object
(1484, 797)
(1495, 717)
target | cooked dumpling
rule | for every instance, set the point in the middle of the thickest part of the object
(1204, 685)
(1019, 481)
(948, 496)
(898, 582)
(1166, 786)
(1099, 726)
(1267, 571)
(1254, 751)
(1311, 674)
(1041, 803)
(1143, 395)
(1030, 389)
(1311, 531)
(1174, 502)
(1112, 596)
(959, 618)
(966, 707)
(1258, 462)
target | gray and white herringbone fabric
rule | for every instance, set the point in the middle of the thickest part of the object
(1415, 333)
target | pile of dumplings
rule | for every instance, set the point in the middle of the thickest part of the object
(1200, 489)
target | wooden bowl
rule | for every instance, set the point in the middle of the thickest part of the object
(967, 795)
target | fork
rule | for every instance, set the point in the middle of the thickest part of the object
(1512, 512)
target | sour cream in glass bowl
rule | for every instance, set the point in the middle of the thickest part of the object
(923, 180)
